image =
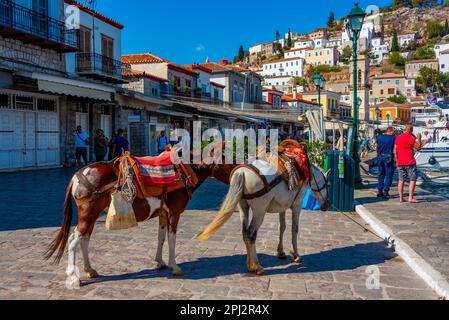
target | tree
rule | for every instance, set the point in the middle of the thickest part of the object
(446, 28)
(278, 35)
(397, 60)
(398, 99)
(346, 55)
(434, 30)
(289, 40)
(241, 54)
(424, 52)
(395, 42)
(428, 78)
(331, 20)
(300, 81)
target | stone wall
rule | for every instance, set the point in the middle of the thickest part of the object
(16, 55)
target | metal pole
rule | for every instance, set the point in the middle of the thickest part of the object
(355, 153)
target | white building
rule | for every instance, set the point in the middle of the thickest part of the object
(335, 42)
(366, 35)
(295, 35)
(304, 43)
(272, 97)
(281, 83)
(209, 88)
(380, 50)
(404, 39)
(293, 67)
(295, 53)
(320, 43)
(442, 54)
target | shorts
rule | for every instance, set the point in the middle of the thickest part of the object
(408, 172)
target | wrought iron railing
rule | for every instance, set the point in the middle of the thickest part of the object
(99, 64)
(23, 19)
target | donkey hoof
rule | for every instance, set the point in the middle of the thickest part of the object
(161, 265)
(297, 260)
(177, 272)
(282, 256)
(73, 283)
(92, 274)
(260, 272)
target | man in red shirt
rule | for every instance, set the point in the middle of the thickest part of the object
(404, 150)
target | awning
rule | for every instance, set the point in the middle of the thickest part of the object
(72, 90)
(249, 119)
(174, 113)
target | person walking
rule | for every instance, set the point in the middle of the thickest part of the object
(100, 145)
(385, 162)
(404, 150)
(81, 144)
(162, 142)
(120, 144)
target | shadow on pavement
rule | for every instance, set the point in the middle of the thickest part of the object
(338, 259)
(34, 199)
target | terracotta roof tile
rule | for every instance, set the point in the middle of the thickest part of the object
(141, 58)
(141, 74)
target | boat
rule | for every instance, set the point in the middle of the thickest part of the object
(434, 156)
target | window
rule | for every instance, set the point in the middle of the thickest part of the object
(46, 105)
(188, 83)
(84, 39)
(24, 103)
(398, 82)
(391, 91)
(382, 91)
(107, 46)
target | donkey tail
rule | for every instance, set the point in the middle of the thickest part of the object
(60, 242)
(233, 197)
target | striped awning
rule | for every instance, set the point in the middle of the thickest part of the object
(73, 90)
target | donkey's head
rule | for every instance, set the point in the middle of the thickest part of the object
(320, 186)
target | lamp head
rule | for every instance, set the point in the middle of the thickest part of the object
(356, 18)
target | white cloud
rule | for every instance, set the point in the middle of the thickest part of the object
(200, 47)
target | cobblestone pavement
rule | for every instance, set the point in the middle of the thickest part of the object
(337, 254)
(424, 226)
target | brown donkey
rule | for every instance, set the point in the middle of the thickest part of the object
(102, 176)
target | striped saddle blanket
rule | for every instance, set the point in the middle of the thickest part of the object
(156, 171)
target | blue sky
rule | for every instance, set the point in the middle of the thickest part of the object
(189, 31)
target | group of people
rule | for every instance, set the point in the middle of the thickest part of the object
(103, 146)
(398, 151)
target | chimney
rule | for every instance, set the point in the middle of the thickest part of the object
(224, 62)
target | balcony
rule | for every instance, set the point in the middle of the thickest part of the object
(99, 67)
(31, 27)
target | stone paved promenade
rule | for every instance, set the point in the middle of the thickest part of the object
(424, 226)
(336, 251)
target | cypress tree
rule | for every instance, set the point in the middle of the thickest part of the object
(289, 40)
(331, 20)
(395, 42)
(241, 54)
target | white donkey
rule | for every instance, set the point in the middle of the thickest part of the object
(276, 199)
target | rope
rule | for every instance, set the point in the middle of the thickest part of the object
(128, 190)
(365, 229)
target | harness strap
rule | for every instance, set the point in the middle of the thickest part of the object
(267, 186)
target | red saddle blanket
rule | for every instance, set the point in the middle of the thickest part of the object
(156, 170)
(300, 157)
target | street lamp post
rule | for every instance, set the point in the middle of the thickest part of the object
(353, 28)
(319, 82)
(378, 116)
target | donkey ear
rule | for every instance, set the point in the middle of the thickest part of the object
(328, 173)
